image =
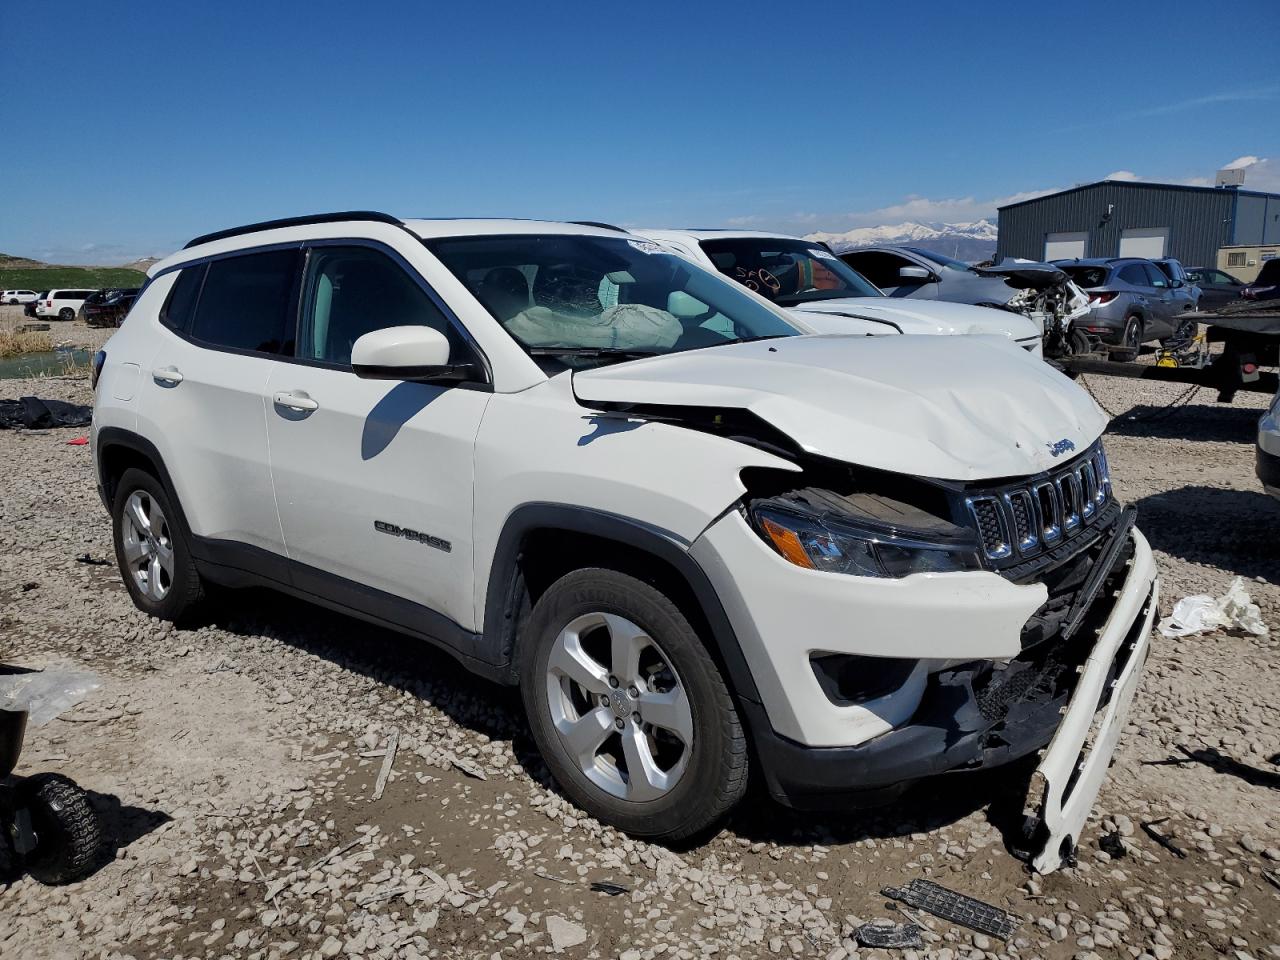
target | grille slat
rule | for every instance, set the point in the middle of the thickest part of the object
(1028, 518)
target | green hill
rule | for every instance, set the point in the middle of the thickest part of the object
(19, 273)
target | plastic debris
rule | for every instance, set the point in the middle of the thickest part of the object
(609, 888)
(45, 694)
(1234, 610)
(78, 442)
(967, 911)
(888, 934)
(1149, 828)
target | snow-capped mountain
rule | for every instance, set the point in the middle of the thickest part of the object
(964, 241)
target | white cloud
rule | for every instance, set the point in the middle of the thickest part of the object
(1122, 175)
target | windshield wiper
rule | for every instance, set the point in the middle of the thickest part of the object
(588, 353)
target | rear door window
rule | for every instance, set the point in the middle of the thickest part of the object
(249, 303)
(1134, 274)
(1158, 276)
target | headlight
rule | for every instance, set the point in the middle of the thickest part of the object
(863, 550)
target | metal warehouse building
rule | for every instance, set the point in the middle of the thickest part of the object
(1124, 218)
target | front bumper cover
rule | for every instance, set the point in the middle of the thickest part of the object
(967, 722)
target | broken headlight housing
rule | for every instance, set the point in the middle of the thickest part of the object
(839, 543)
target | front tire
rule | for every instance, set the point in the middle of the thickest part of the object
(67, 830)
(628, 708)
(152, 550)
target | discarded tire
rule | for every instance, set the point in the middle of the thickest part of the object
(68, 834)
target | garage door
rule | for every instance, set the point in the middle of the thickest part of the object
(1146, 242)
(1065, 246)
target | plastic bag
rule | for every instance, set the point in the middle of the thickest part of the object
(1201, 613)
(46, 694)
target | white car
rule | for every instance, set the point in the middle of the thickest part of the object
(706, 546)
(63, 304)
(17, 296)
(830, 296)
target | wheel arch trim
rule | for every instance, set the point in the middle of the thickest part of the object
(531, 518)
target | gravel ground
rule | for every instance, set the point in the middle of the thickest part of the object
(234, 766)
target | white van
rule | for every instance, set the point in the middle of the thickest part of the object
(63, 304)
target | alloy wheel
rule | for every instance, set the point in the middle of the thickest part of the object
(619, 707)
(148, 546)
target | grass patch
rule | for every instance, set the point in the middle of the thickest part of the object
(13, 344)
(51, 278)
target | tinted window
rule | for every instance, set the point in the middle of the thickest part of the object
(180, 306)
(246, 302)
(1134, 274)
(880, 268)
(351, 291)
(1158, 277)
(1086, 277)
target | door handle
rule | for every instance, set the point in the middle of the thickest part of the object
(170, 375)
(295, 400)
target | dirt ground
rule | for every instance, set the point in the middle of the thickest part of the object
(234, 765)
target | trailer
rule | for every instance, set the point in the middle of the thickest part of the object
(1249, 333)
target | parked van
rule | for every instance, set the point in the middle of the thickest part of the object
(63, 304)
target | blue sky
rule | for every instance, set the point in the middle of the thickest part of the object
(143, 124)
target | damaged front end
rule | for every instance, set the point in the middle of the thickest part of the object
(1067, 687)
(1048, 296)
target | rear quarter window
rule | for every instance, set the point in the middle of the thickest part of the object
(180, 306)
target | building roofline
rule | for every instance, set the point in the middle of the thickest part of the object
(1226, 191)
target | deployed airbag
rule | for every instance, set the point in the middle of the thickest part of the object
(628, 325)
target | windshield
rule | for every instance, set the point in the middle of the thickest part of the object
(597, 296)
(942, 260)
(787, 271)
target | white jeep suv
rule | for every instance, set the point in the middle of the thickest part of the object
(829, 295)
(704, 543)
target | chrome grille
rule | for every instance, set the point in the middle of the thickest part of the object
(1022, 520)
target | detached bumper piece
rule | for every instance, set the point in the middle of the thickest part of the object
(938, 900)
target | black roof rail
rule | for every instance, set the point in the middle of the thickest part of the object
(597, 223)
(372, 216)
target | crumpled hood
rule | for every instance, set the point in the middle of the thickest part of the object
(952, 408)
(872, 315)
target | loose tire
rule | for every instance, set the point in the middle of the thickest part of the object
(67, 830)
(152, 550)
(66, 313)
(629, 709)
(1130, 340)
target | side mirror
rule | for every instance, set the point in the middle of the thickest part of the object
(915, 273)
(419, 354)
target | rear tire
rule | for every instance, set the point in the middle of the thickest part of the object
(1130, 340)
(67, 830)
(152, 551)
(66, 313)
(613, 676)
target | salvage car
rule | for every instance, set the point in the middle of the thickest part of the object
(707, 545)
(1131, 302)
(1268, 449)
(15, 297)
(63, 304)
(1040, 291)
(1216, 286)
(1266, 286)
(831, 297)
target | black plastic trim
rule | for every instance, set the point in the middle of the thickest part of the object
(532, 517)
(366, 216)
